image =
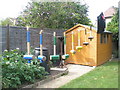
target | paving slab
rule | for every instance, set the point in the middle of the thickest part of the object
(74, 72)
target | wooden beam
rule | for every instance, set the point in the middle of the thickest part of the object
(8, 38)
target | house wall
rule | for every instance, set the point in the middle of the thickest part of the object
(104, 50)
(87, 55)
(107, 20)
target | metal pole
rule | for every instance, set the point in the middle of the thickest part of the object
(28, 41)
(72, 41)
(78, 37)
(85, 35)
(54, 34)
(41, 53)
(64, 43)
(90, 30)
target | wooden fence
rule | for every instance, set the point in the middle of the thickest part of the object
(15, 37)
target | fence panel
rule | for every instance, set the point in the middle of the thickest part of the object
(17, 38)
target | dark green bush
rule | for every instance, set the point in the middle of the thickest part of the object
(16, 71)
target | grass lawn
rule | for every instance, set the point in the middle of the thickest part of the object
(104, 76)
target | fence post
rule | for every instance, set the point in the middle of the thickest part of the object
(1, 39)
(8, 38)
(119, 29)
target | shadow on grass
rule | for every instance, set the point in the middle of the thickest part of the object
(86, 89)
(110, 63)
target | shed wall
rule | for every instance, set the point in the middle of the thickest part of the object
(87, 55)
(104, 50)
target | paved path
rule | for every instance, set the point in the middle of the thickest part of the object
(74, 72)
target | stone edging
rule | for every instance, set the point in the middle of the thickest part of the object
(46, 80)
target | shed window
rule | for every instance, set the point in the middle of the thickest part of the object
(105, 38)
(101, 38)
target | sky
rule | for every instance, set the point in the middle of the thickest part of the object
(98, 6)
(12, 8)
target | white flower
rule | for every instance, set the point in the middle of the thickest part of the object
(8, 62)
(17, 48)
(5, 50)
(11, 50)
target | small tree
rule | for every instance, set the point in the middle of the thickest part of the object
(113, 26)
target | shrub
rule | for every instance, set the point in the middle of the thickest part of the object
(16, 71)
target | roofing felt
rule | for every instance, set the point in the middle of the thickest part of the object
(85, 26)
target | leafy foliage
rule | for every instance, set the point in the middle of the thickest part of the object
(16, 70)
(113, 26)
(6, 22)
(53, 15)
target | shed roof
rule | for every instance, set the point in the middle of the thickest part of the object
(80, 25)
(85, 26)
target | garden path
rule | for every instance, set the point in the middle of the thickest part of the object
(74, 72)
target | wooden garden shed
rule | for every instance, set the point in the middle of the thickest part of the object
(98, 50)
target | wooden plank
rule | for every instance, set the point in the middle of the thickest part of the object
(87, 55)
(8, 38)
(104, 50)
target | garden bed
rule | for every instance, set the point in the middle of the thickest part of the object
(55, 73)
(18, 73)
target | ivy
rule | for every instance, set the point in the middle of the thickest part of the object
(113, 26)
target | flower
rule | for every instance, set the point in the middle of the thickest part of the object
(5, 50)
(8, 62)
(17, 48)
